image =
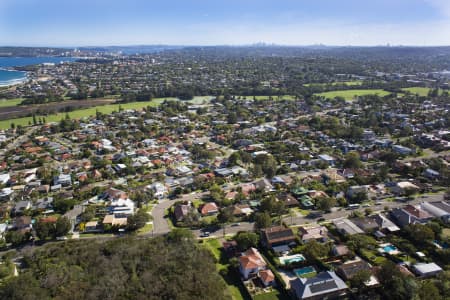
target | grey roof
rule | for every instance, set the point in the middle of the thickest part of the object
(347, 227)
(322, 283)
(424, 269)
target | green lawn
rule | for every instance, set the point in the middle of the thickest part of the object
(350, 94)
(214, 246)
(106, 109)
(235, 286)
(146, 229)
(445, 233)
(349, 83)
(421, 91)
(10, 102)
(373, 256)
(274, 295)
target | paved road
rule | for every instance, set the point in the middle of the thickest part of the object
(229, 229)
(426, 156)
(340, 213)
(160, 225)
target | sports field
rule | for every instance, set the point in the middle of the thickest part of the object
(106, 109)
(351, 94)
(421, 91)
(349, 83)
(10, 102)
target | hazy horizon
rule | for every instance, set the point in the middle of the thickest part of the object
(99, 23)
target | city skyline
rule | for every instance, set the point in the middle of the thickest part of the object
(200, 22)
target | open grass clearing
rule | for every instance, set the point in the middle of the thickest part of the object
(10, 102)
(349, 83)
(421, 91)
(235, 286)
(351, 94)
(87, 112)
(146, 229)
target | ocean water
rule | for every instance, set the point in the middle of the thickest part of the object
(8, 77)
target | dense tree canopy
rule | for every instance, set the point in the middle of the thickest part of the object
(123, 268)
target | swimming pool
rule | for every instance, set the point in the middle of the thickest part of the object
(389, 248)
(304, 271)
(285, 260)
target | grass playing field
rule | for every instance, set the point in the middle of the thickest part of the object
(350, 94)
(349, 83)
(106, 109)
(421, 91)
(10, 102)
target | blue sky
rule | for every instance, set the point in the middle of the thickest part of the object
(214, 22)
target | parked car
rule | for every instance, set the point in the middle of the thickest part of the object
(204, 234)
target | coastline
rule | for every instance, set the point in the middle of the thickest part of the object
(13, 81)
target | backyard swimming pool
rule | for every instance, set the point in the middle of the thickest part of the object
(302, 272)
(389, 248)
(285, 260)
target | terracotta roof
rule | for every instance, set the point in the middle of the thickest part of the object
(209, 207)
(266, 276)
(252, 259)
(416, 212)
(50, 219)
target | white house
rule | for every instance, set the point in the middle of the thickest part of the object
(251, 262)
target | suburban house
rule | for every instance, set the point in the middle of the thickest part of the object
(22, 223)
(4, 178)
(367, 224)
(410, 215)
(63, 180)
(267, 277)
(426, 269)
(263, 185)
(384, 224)
(401, 188)
(276, 236)
(439, 209)
(250, 263)
(340, 250)
(209, 208)
(113, 221)
(325, 285)
(22, 206)
(328, 159)
(123, 207)
(241, 210)
(230, 248)
(159, 190)
(315, 232)
(347, 227)
(402, 150)
(91, 226)
(112, 193)
(349, 269)
(181, 211)
(289, 200)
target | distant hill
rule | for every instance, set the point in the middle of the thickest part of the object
(33, 51)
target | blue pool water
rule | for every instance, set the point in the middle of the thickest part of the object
(389, 248)
(302, 271)
(295, 259)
